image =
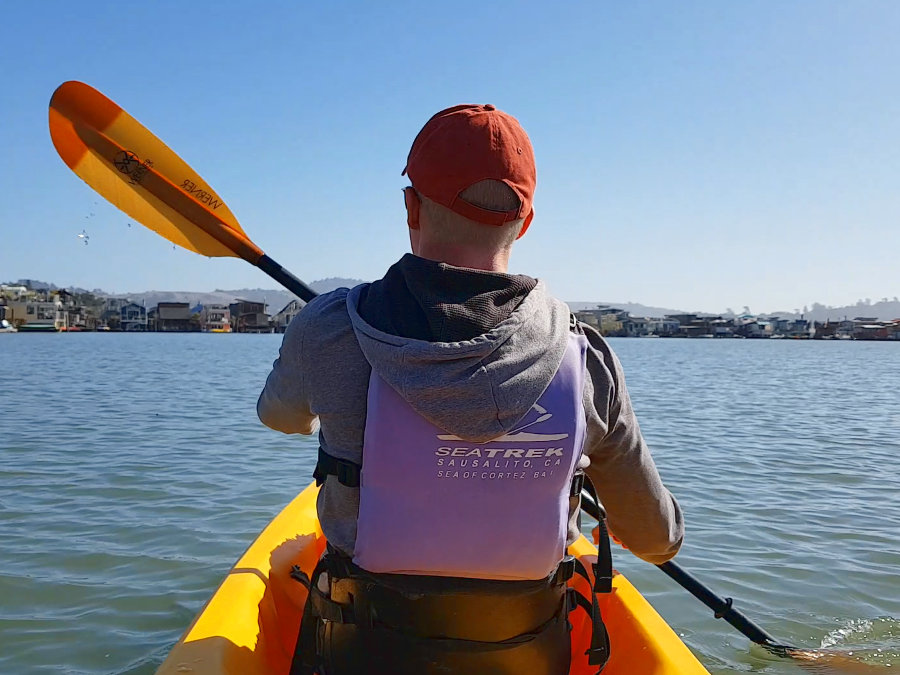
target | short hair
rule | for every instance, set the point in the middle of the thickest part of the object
(448, 227)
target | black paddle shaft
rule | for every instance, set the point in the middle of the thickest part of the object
(723, 608)
(286, 279)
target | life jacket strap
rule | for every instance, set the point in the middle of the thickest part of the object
(319, 607)
(347, 472)
(306, 656)
(602, 569)
(598, 652)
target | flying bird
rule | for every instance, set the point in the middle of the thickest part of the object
(84, 237)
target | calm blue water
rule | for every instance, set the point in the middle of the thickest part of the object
(133, 473)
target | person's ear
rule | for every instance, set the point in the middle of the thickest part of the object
(525, 225)
(413, 206)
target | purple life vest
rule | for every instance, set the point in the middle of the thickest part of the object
(431, 503)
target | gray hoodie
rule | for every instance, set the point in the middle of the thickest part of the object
(493, 343)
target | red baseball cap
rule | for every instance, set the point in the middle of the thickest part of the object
(465, 144)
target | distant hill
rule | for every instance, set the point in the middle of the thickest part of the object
(884, 310)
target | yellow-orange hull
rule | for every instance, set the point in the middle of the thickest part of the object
(250, 625)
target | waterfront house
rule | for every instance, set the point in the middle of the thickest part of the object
(587, 318)
(173, 317)
(77, 317)
(779, 325)
(663, 327)
(611, 320)
(635, 326)
(872, 331)
(800, 328)
(215, 319)
(845, 329)
(750, 327)
(248, 316)
(682, 319)
(894, 329)
(603, 318)
(824, 331)
(281, 320)
(721, 328)
(611, 325)
(694, 325)
(111, 314)
(39, 313)
(133, 317)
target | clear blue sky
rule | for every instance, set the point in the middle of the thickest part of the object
(695, 155)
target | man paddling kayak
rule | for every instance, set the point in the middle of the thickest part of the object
(459, 408)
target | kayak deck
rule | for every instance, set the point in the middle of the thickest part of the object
(250, 625)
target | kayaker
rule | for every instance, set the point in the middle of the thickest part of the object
(457, 407)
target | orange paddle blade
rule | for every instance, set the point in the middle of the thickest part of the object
(135, 171)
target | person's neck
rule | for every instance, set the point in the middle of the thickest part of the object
(489, 261)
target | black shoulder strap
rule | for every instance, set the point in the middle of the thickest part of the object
(603, 571)
(598, 652)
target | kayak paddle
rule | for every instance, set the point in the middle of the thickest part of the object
(138, 173)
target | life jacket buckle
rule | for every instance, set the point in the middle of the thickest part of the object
(602, 578)
(577, 484)
(571, 600)
(598, 656)
(347, 473)
(565, 570)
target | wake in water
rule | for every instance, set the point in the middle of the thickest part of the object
(859, 646)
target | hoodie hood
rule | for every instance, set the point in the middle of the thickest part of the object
(479, 388)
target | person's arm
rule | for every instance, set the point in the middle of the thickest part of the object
(284, 402)
(640, 510)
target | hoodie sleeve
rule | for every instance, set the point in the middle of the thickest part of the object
(284, 402)
(641, 512)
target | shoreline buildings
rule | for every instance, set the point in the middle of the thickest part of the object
(28, 309)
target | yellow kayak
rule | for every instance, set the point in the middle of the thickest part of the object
(250, 625)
